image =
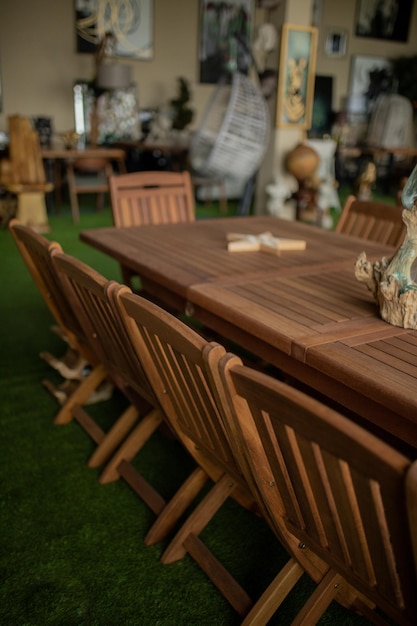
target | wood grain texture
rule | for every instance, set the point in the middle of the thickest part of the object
(302, 311)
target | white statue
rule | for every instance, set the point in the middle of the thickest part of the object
(279, 193)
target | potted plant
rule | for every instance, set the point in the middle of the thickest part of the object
(182, 113)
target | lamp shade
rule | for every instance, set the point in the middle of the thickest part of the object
(113, 76)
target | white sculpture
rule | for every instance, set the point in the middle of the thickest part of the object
(279, 193)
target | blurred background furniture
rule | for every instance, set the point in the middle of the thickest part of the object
(88, 175)
(23, 173)
(56, 160)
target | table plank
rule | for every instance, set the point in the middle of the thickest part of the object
(389, 382)
(198, 251)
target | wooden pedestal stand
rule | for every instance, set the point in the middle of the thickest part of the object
(23, 174)
(390, 279)
(31, 206)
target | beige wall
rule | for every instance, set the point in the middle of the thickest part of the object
(342, 15)
(39, 63)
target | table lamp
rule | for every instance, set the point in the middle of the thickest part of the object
(109, 77)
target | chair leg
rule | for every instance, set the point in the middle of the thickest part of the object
(127, 275)
(114, 437)
(274, 595)
(219, 576)
(81, 394)
(71, 365)
(199, 518)
(100, 201)
(131, 446)
(319, 600)
(176, 507)
(75, 209)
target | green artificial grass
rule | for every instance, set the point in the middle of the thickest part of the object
(72, 551)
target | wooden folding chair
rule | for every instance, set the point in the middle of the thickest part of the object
(338, 490)
(180, 364)
(371, 220)
(141, 198)
(86, 292)
(79, 363)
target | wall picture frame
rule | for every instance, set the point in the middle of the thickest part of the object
(388, 20)
(370, 76)
(131, 22)
(335, 44)
(296, 76)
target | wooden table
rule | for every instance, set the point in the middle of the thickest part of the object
(55, 158)
(115, 154)
(405, 158)
(303, 311)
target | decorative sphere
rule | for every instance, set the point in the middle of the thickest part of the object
(302, 162)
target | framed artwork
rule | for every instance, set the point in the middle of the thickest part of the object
(130, 22)
(336, 42)
(384, 20)
(370, 77)
(224, 38)
(296, 76)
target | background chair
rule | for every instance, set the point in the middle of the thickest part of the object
(88, 175)
(374, 221)
(141, 198)
(341, 492)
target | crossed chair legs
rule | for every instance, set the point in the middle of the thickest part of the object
(74, 369)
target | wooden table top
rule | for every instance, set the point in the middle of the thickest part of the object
(302, 311)
(88, 152)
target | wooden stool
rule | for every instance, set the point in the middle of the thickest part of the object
(210, 184)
